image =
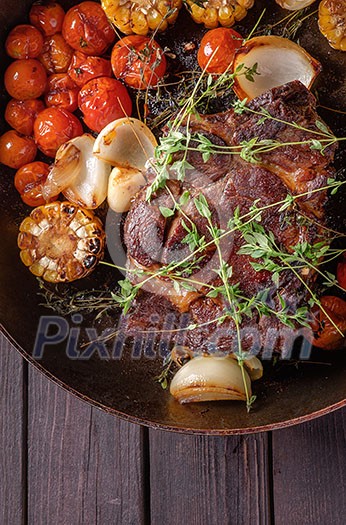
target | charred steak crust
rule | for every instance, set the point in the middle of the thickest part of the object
(228, 182)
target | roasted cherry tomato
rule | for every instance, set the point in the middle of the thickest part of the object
(25, 79)
(29, 180)
(56, 54)
(48, 18)
(86, 28)
(217, 49)
(84, 68)
(62, 92)
(21, 114)
(53, 127)
(103, 100)
(24, 41)
(16, 150)
(325, 334)
(139, 61)
(341, 274)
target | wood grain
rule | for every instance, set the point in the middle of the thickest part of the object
(85, 467)
(209, 480)
(12, 436)
(309, 463)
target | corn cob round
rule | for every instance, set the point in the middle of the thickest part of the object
(213, 13)
(61, 242)
(332, 22)
(141, 16)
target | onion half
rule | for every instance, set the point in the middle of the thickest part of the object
(210, 378)
(125, 143)
(279, 60)
(78, 174)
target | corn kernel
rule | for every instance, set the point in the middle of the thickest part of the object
(332, 22)
(140, 16)
(215, 12)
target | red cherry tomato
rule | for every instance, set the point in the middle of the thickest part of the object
(48, 18)
(24, 41)
(84, 68)
(21, 114)
(325, 334)
(56, 54)
(139, 61)
(86, 28)
(25, 79)
(16, 150)
(53, 127)
(29, 180)
(341, 274)
(217, 49)
(103, 100)
(62, 92)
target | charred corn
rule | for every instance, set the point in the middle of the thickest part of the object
(213, 13)
(141, 16)
(61, 242)
(332, 22)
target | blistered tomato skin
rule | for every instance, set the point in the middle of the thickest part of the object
(341, 274)
(329, 323)
(48, 18)
(139, 61)
(16, 150)
(24, 41)
(21, 114)
(103, 100)
(29, 180)
(62, 92)
(217, 50)
(25, 79)
(86, 28)
(56, 54)
(53, 127)
(84, 68)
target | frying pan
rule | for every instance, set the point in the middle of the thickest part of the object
(124, 386)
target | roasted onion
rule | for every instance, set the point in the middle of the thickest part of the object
(78, 174)
(279, 60)
(210, 378)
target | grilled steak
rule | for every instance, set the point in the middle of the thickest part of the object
(231, 185)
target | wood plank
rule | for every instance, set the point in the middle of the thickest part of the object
(85, 467)
(309, 463)
(12, 435)
(212, 480)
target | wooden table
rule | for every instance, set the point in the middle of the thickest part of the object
(63, 462)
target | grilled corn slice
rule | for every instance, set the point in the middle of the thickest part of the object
(332, 22)
(141, 16)
(213, 13)
(61, 242)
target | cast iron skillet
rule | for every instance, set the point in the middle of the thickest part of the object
(126, 387)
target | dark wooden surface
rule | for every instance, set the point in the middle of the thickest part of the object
(63, 462)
